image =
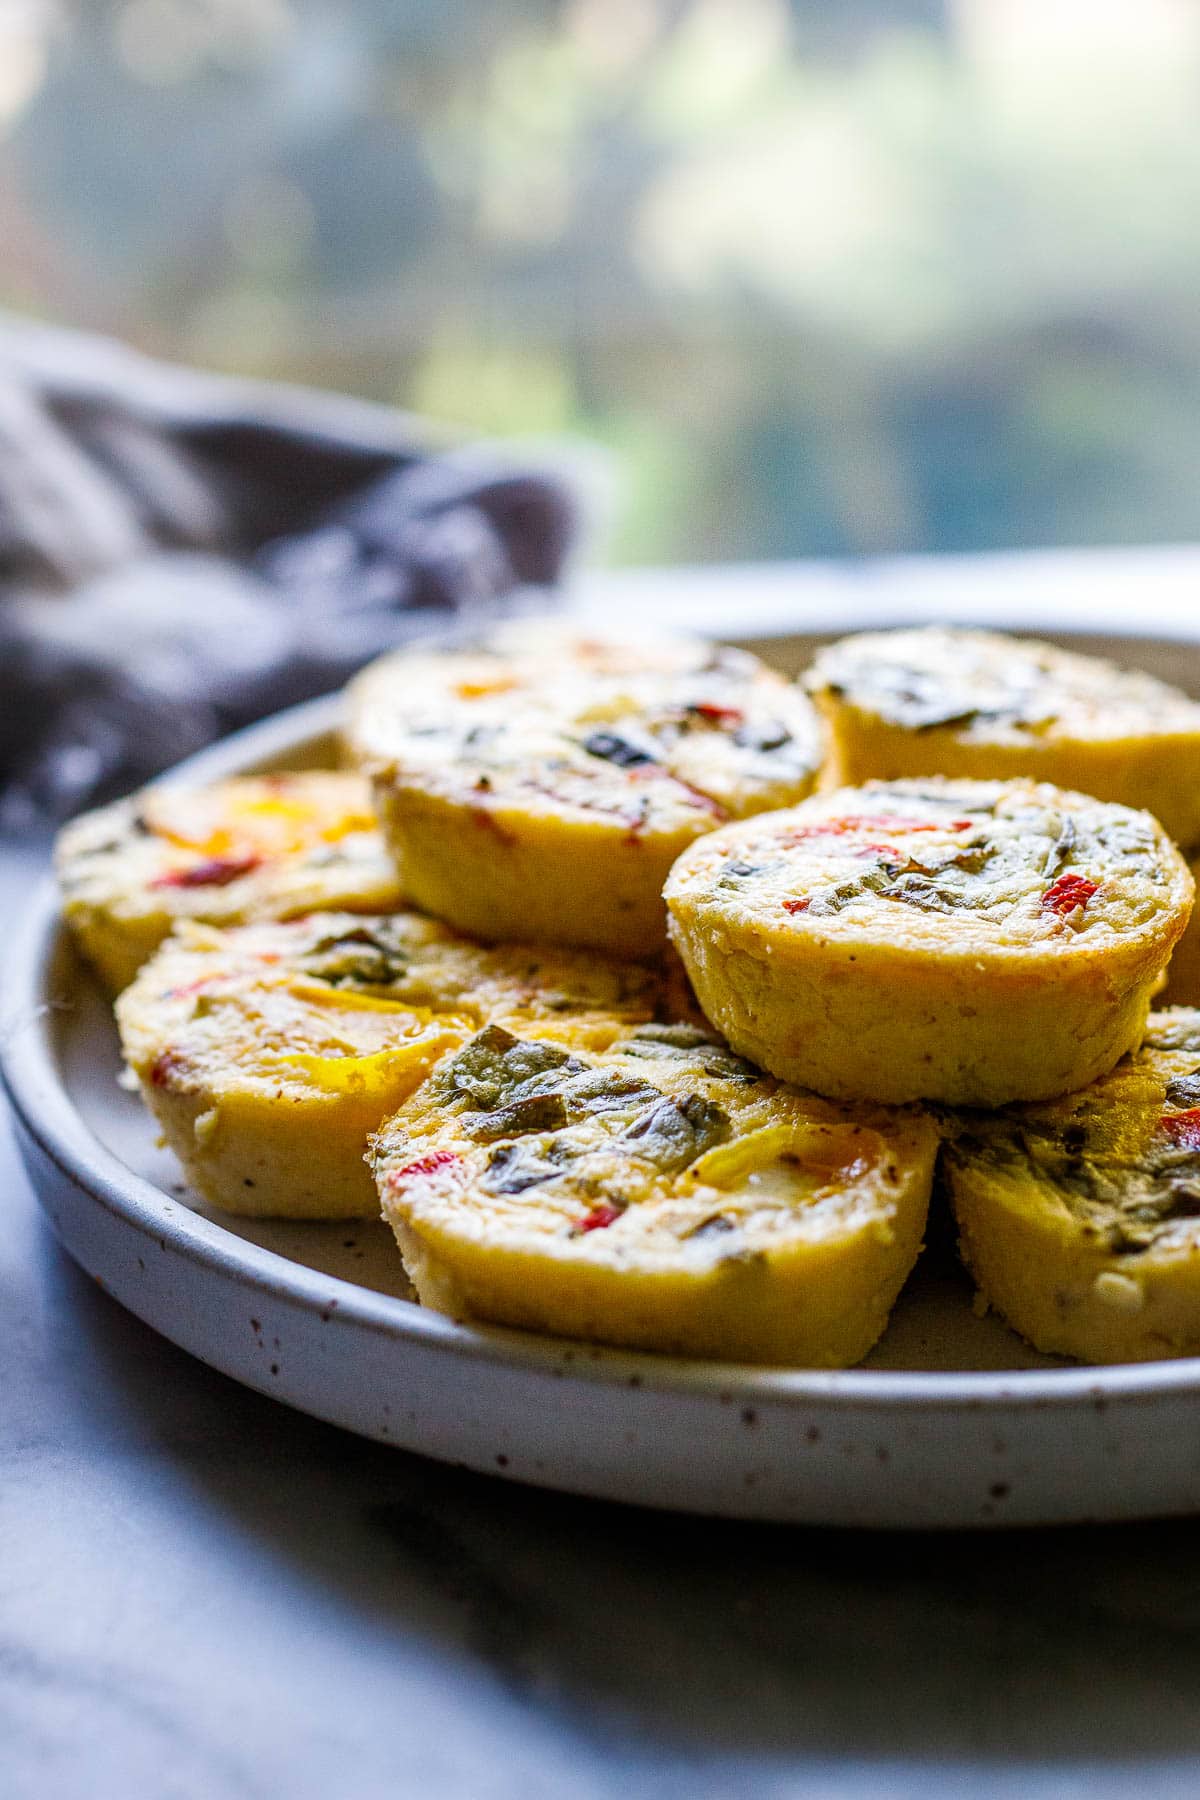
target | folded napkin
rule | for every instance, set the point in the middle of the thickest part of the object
(181, 553)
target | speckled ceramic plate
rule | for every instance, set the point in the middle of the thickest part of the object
(951, 1422)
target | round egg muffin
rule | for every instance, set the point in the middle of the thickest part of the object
(543, 793)
(956, 702)
(663, 1195)
(970, 942)
(267, 1053)
(254, 847)
(1080, 1220)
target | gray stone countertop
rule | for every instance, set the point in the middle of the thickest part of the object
(204, 1596)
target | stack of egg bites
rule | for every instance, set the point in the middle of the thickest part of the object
(647, 992)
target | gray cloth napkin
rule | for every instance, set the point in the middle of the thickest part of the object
(181, 553)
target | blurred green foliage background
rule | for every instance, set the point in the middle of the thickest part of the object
(828, 278)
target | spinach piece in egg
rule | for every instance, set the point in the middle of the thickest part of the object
(511, 1168)
(611, 747)
(705, 1048)
(672, 1135)
(919, 891)
(534, 1112)
(608, 1091)
(364, 956)
(665, 1038)
(492, 1069)
(762, 738)
(1184, 1090)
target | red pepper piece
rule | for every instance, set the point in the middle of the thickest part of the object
(1183, 1128)
(424, 1165)
(885, 822)
(164, 1069)
(600, 1217)
(219, 871)
(797, 906)
(718, 715)
(1068, 892)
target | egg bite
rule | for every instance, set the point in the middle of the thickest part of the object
(662, 1195)
(544, 796)
(1080, 1220)
(941, 701)
(969, 942)
(253, 847)
(267, 1053)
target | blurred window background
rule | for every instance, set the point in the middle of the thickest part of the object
(827, 278)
